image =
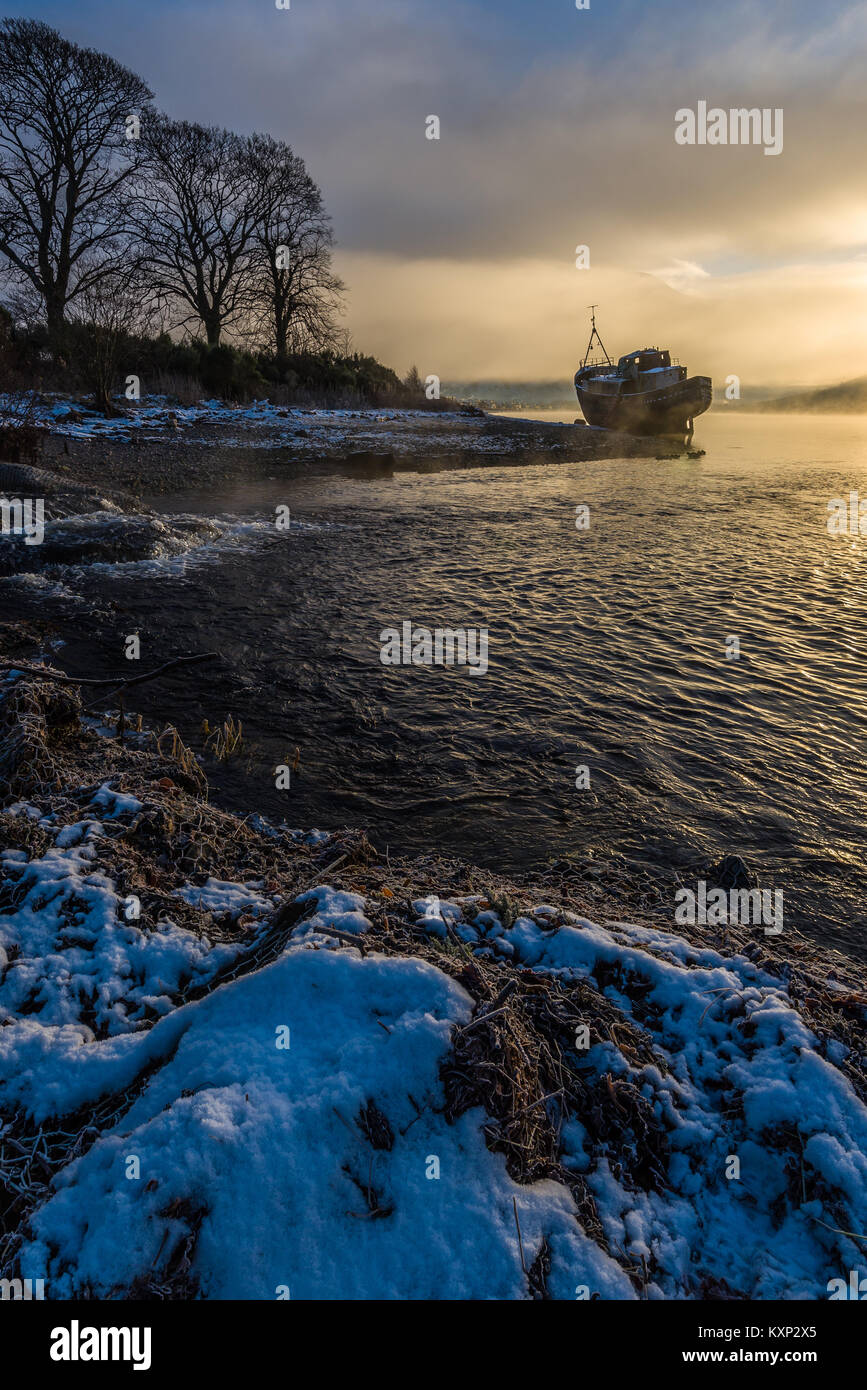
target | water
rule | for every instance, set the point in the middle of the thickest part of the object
(607, 648)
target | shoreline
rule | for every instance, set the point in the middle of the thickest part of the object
(579, 1069)
(91, 486)
(133, 753)
(700, 1020)
(159, 451)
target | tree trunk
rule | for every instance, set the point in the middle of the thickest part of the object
(281, 325)
(279, 345)
(56, 322)
(103, 402)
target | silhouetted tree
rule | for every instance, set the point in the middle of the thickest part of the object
(65, 163)
(300, 295)
(198, 211)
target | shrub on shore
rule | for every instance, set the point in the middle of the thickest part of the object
(191, 370)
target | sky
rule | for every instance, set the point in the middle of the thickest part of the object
(557, 130)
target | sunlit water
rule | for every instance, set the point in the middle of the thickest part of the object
(608, 647)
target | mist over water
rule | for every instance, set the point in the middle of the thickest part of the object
(607, 647)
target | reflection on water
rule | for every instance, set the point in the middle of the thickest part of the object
(607, 648)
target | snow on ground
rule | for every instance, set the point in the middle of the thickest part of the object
(335, 908)
(249, 1123)
(263, 1137)
(154, 411)
(70, 950)
(308, 427)
(218, 896)
(740, 1067)
(262, 425)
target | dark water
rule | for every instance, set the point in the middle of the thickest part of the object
(607, 648)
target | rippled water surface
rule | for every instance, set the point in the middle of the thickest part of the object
(607, 648)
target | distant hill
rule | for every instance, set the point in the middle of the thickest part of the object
(848, 396)
(514, 395)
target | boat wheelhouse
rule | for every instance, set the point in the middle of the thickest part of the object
(645, 393)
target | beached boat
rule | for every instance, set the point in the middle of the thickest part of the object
(645, 393)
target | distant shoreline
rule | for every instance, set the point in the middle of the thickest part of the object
(159, 448)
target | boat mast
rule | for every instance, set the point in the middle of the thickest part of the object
(594, 333)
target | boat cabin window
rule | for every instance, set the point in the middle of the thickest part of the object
(645, 360)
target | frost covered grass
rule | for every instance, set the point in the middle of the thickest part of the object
(76, 420)
(77, 953)
(302, 1070)
(359, 435)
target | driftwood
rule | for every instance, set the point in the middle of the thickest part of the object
(112, 685)
(44, 674)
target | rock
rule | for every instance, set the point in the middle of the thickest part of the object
(106, 537)
(732, 872)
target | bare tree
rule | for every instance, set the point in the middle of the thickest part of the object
(298, 291)
(111, 311)
(198, 212)
(65, 162)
